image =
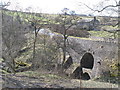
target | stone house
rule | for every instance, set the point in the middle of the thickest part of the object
(89, 24)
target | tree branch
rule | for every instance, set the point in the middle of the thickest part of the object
(69, 27)
(102, 8)
(108, 7)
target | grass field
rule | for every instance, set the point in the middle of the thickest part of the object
(101, 34)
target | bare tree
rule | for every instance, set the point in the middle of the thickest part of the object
(105, 7)
(37, 22)
(114, 8)
(4, 4)
(65, 22)
(13, 37)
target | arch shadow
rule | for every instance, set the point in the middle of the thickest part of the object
(68, 63)
(85, 76)
(87, 61)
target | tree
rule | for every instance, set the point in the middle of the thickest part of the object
(114, 8)
(37, 22)
(47, 52)
(13, 38)
(102, 8)
(4, 4)
(65, 22)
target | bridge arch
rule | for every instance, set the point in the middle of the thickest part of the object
(87, 61)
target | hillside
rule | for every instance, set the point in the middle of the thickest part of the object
(33, 51)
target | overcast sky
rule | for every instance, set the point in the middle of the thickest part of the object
(55, 6)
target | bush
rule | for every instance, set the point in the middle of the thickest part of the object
(114, 69)
(110, 71)
(46, 52)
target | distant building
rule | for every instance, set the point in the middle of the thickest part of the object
(88, 24)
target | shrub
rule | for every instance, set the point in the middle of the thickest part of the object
(110, 71)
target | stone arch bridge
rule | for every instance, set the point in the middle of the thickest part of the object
(90, 55)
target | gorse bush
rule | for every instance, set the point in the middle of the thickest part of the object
(110, 71)
(114, 69)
